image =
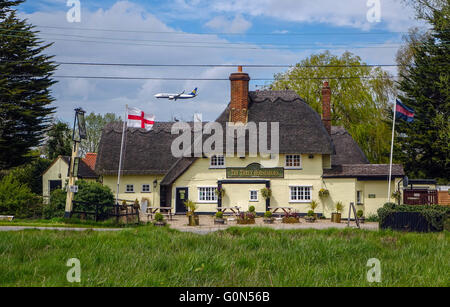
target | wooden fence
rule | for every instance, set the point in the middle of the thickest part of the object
(103, 212)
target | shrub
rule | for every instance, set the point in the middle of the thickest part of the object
(339, 207)
(159, 217)
(246, 218)
(17, 199)
(251, 209)
(219, 214)
(268, 214)
(434, 214)
(91, 193)
(56, 206)
(310, 213)
(291, 218)
(372, 218)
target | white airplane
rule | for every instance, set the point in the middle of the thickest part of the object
(182, 95)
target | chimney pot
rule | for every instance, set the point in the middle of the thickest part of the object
(239, 96)
(326, 107)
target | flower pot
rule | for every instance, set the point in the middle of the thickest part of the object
(193, 220)
(268, 220)
(335, 217)
(291, 220)
(219, 221)
(310, 219)
(159, 223)
(245, 221)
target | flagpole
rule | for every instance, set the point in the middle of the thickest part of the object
(121, 153)
(392, 149)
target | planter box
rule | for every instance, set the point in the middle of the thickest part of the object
(269, 221)
(291, 220)
(219, 221)
(159, 224)
(310, 219)
(335, 217)
(245, 222)
(193, 220)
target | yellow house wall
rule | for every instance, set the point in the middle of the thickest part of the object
(341, 189)
(58, 168)
(200, 175)
(379, 188)
(137, 181)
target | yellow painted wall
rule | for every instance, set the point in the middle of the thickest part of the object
(137, 181)
(341, 189)
(379, 188)
(199, 175)
(59, 168)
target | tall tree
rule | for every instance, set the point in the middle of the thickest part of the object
(360, 96)
(424, 145)
(59, 141)
(25, 82)
(94, 126)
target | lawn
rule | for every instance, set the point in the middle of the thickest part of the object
(152, 256)
(61, 222)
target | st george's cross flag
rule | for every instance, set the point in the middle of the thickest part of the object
(138, 119)
(403, 112)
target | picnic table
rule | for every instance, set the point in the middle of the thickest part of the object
(286, 210)
(234, 209)
(152, 210)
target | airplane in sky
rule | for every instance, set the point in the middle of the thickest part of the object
(181, 95)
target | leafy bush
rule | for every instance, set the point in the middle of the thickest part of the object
(310, 213)
(359, 213)
(55, 208)
(159, 217)
(268, 214)
(291, 218)
(251, 209)
(434, 214)
(219, 215)
(339, 207)
(246, 218)
(31, 174)
(372, 218)
(17, 199)
(313, 205)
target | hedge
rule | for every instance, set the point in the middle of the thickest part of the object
(435, 215)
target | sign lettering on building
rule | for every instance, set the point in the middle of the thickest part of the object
(254, 170)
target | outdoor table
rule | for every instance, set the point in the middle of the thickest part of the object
(234, 209)
(152, 210)
(286, 210)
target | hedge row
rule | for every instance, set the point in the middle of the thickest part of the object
(434, 214)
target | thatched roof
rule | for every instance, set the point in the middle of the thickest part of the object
(379, 171)
(146, 152)
(347, 150)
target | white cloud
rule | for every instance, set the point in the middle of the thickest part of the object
(236, 25)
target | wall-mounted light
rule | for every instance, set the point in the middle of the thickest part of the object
(311, 156)
(155, 183)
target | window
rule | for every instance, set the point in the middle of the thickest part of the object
(145, 188)
(218, 161)
(293, 161)
(253, 195)
(300, 194)
(359, 197)
(207, 194)
(129, 188)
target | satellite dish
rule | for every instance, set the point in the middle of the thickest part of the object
(405, 181)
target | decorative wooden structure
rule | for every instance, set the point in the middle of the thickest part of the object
(420, 197)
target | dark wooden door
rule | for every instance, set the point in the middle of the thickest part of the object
(182, 194)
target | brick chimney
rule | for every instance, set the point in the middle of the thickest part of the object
(239, 96)
(326, 106)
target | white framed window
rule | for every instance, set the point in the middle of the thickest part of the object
(217, 161)
(207, 194)
(293, 161)
(129, 188)
(300, 194)
(253, 195)
(358, 197)
(145, 188)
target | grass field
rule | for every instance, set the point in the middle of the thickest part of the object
(61, 222)
(151, 256)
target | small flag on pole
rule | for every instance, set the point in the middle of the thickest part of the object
(404, 112)
(138, 119)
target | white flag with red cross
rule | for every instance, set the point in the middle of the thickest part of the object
(138, 119)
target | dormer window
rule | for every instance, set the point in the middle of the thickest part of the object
(217, 161)
(293, 161)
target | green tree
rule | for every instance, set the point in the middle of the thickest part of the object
(31, 174)
(25, 82)
(17, 199)
(94, 126)
(424, 145)
(59, 141)
(360, 97)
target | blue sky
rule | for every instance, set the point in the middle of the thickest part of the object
(338, 25)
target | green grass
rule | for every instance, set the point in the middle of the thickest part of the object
(152, 256)
(63, 222)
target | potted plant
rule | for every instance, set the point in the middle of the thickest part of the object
(159, 220)
(268, 219)
(219, 218)
(336, 216)
(323, 192)
(310, 217)
(251, 209)
(266, 193)
(246, 218)
(193, 219)
(313, 205)
(360, 215)
(291, 218)
(220, 192)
